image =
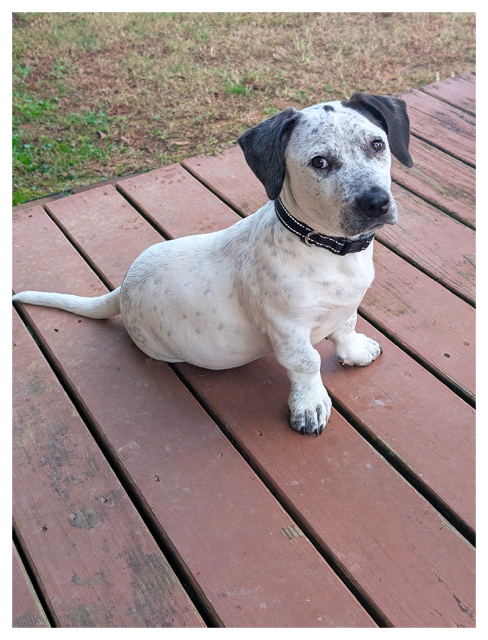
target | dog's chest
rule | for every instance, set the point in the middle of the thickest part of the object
(339, 283)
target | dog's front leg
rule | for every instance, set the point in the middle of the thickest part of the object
(354, 348)
(309, 402)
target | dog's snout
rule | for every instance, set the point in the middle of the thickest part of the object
(374, 203)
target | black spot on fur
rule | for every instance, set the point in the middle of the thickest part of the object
(327, 107)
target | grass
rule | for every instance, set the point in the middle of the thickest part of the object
(101, 95)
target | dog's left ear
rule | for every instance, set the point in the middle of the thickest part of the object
(390, 114)
(264, 149)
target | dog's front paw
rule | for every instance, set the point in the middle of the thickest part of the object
(310, 410)
(359, 351)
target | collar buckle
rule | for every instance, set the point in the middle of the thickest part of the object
(306, 239)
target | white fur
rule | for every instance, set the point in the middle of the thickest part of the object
(222, 299)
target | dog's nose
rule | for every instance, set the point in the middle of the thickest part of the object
(374, 203)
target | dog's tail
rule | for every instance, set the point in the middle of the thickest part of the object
(102, 307)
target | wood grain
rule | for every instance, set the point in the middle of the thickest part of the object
(460, 91)
(228, 175)
(428, 320)
(95, 560)
(442, 125)
(387, 538)
(185, 200)
(442, 247)
(94, 206)
(27, 611)
(441, 179)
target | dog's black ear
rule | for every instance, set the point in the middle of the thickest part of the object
(264, 149)
(391, 115)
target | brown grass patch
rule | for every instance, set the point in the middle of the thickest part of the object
(192, 83)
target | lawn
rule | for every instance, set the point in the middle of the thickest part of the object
(97, 96)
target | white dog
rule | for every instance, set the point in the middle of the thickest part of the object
(286, 277)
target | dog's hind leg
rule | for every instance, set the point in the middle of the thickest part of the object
(102, 307)
(354, 348)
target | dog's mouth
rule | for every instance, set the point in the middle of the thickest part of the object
(366, 226)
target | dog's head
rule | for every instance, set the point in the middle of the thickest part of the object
(333, 160)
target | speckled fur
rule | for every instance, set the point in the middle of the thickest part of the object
(222, 299)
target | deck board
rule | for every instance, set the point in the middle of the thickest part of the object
(203, 496)
(185, 202)
(384, 539)
(431, 322)
(70, 511)
(441, 124)
(27, 611)
(440, 179)
(441, 246)
(459, 91)
(93, 206)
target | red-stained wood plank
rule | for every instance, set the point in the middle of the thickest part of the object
(435, 325)
(460, 91)
(401, 405)
(27, 611)
(443, 247)
(94, 205)
(229, 176)
(94, 558)
(222, 522)
(391, 541)
(442, 125)
(368, 548)
(181, 193)
(441, 179)
(420, 314)
(453, 425)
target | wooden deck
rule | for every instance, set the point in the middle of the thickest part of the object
(156, 495)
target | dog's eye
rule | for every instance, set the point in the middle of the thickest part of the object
(377, 145)
(319, 162)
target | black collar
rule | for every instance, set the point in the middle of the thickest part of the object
(340, 246)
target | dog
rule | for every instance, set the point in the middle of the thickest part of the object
(286, 277)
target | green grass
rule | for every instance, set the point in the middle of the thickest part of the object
(97, 95)
(53, 162)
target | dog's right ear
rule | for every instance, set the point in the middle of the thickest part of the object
(264, 149)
